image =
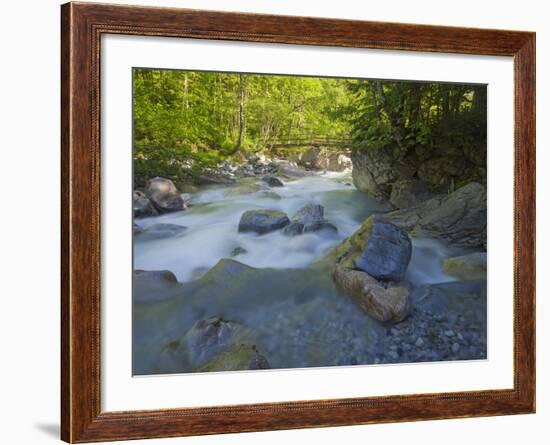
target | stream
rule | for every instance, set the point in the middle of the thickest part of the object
(297, 317)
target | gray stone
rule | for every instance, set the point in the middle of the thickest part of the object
(263, 221)
(142, 206)
(309, 218)
(164, 195)
(151, 286)
(472, 266)
(387, 253)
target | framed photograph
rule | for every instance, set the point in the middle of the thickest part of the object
(274, 222)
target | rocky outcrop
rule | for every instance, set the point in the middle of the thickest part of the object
(263, 221)
(310, 218)
(373, 172)
(406, 193)
(142, 206)
(468, 267)
(162, 230)
(459, 218)
(164, 195)
(391, 304)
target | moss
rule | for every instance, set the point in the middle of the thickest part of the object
(351, 248)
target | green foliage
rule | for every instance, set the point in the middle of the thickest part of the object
(187, 121)
(424, 119)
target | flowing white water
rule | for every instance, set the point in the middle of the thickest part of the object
(212, 223)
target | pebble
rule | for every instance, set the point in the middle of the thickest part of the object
(450, 333)
(455, 347)
(419, 342)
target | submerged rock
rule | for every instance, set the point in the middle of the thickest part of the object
(238, 251)
(142, 206)
(237, 358)
(272, 181)
(309, 218)
(468, 267)
(151, 286)
(162, 230)
(263, 221)
(136, 228)
(459, 218)
(392, 304)
(208, 338)
(242, 189)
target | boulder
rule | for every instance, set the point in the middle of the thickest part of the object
(382, 250)
(160, 185)
(309, 219)
(263, 221)
(164, 195)
(237, 358)
(142, 205)
(272, 181)
(290, 170)
(459, 218)
(339, 162)
(407, 193)
(392, 304)
(468, 267)
(162, 230)
(386, 254)
(316, 158)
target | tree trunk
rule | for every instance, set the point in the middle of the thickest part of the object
(242, 114)
(394, 125)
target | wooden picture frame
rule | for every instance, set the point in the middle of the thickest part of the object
(82, 25)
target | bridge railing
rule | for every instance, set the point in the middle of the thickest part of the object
(315, 141)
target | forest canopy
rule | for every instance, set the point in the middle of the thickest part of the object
(187, 121)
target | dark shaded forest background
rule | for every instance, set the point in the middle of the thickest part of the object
(186, 122)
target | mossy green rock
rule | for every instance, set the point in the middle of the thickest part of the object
(351, 248)
(237, 358)
(467, 267)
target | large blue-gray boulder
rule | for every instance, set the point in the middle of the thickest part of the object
(263, 221)
(387, 253)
